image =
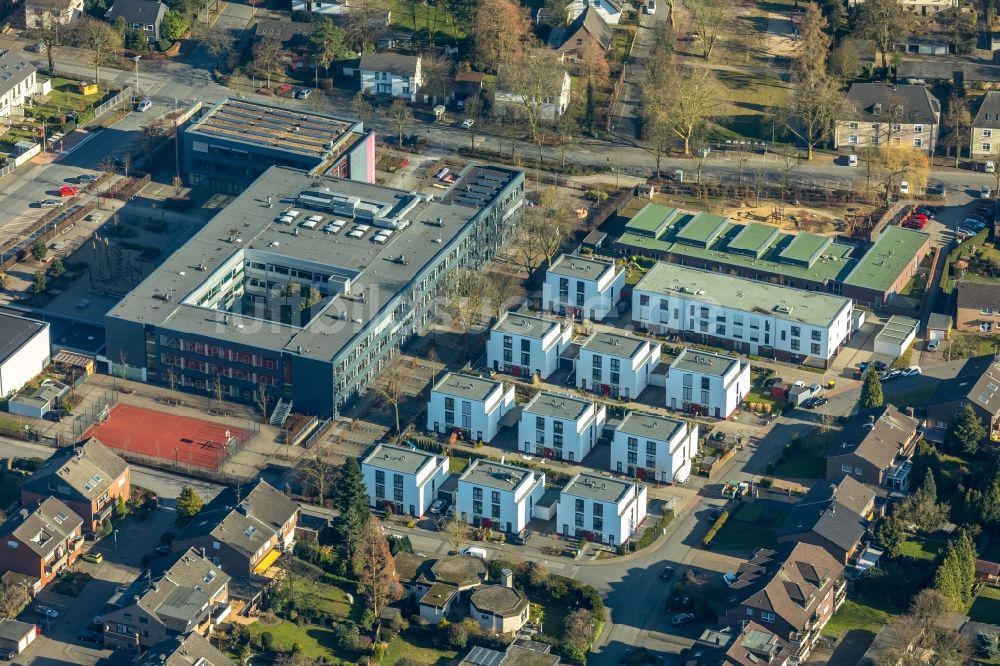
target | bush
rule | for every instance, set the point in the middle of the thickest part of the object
(346, 636)
(267, 641)
(765, 482)
(164, 44)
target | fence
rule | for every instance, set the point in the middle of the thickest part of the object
(47, 227)
(98, 411)
(104, 107)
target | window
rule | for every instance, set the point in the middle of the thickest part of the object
(795, 344)
(987, 147)
(650, 448)
(767, 616)
(986, 311)
(796, 331)
(598, 510)
(598, 524)
(857, 471)
(987, 133)
(852, 125)
(12, 545)
(143, 620)
(749, 611)
(814, 348)
(847, 469)
(578, 505)
(816, 335)
(918, 129)
(633, 443)
(508, 342)
(149, 28)
(918, 143)
(643, 299)
(525, 345)
(852, 138)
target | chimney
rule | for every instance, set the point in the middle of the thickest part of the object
(203, 553)
(507, 577)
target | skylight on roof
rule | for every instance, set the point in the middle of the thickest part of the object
(250, 531)
(60, 517)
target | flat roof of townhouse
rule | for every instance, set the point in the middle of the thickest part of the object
(650, 426)
(495, 475)
(397, 458)
(693, 284)
(703, 362)
(467, 386)
(527, 326)
(597, 487)
(614, 344)
(556, 405)
(571, 265)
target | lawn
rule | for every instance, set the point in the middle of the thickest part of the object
(10, 489)
(751, 99)
(66, 95)
(914, 397)
(417, 646)
(327, 598)
(553, 618)
(316, 642)
(446, 31)
(858, 613)
(72, 583)
(748, 528)
(921, 547)
(809, 462)
(457, 465)
(986, 607)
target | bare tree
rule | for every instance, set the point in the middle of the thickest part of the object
(903, 163)
(102, 40)
(526, 248)
(375, 567)
(457, 531)
(566, 132)
(219, 42)
(467, 303)
(531, 82)
(318, 471)
(361, 107)
(260, 395)
(884, 22)
(438, 74)
(955, 125)
(366, 22)
(218, 388)
(171, 378)
(501, 28)
(401, 118)
(13, 598)
(50, 29)
(691, 97)
(473, 106)
(816, 107)
(268, 58)
(592, 63)
(709, 17)
(390, 386)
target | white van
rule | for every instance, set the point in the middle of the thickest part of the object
(990, 167)
(852, 160)
(473, 551)
(904, 188)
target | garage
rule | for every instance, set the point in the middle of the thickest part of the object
(938, 326)
(896, 336)
(16, 636)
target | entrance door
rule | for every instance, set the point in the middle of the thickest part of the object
(673, 403)
(496, 365)
(412, 511)
(619, 466)
(508, 528)
(718, 414)
(437, 426)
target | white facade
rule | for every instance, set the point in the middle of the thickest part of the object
(498, 495)
(654, 448)
(559, 426)
(753, 317)
(601, 509)
(35, 13)
(705, 383)
(525, 345)
(616, 365)
(552, 107)
(17, 89)
(321, 7)
(609, 11)
(407, 479)
(471, 405)
(26, 360)
(582, 288)
(390, 74)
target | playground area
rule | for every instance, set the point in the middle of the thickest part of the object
(153, 435)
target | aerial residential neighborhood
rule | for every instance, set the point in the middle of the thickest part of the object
(499, 333)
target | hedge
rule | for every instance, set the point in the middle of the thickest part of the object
(719, 522)
(651, 533)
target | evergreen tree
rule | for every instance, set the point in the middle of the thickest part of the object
(871, 391)
(967, 430)
(350, 499)
(106, 527)
(955, 577)
(188, 505)
(925, 458)
(375, 567)
(922, 507)
(890, 535)
(120, 508)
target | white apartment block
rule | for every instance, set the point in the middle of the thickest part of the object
(526, 345)
(406, 479)
(499, 496)
(470, 405)
(616, 365)
(582, 288)
(560, 426)
(654, 448)
(708, 384)
(920, 7)
(749, 317)
(598, 508)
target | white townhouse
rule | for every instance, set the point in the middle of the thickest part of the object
(616, 365)
(654, 448)
(560, 426)
(470, 405)
(406, 479)
(387, 73)
(499, 496)
(602, 509)
(525, 345)
(792, 325)
(706, 383)
(17, 82)
(582, 288)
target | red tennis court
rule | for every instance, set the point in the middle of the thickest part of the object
(169, 437)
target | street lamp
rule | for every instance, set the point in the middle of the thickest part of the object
(115, 534)
(136, 60)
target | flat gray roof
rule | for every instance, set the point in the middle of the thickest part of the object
(703, 362)
(247, 228)
(613, 344)
(292, 130)
(495, 475)
(15, 332)
(397, 458)
(897, 329)
(572, 265)
(556, 405)
(528, 326)
(467, 386)
(807, 307)
(650, 426)
(597, 487)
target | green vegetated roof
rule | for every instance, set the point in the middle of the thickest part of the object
(652, 219)
(884, 262)
(702, 228)
(754, 238)
(804, 248)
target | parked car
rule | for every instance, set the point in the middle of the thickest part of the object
(49, 203)
(990, 167)
(880, 366)
(889, 375)
(6, 654)
(38, 47)
(162, 551)
(681, 619)
(468, 123)
(475, 551)
(144, 105)
(810, 403)
(303, 93)
(651, 7)
(933, 345)
(86, 179)
(985, 192)
(965, 233)
(911, 371)
(436, 506)
(852, 160)
(46, 611)
(667, 573)
(926, 211)
(95, 558)
(450, 513)
(520, 538)
(820, 401)
(904, 188)
(69, 191)
(88, 636)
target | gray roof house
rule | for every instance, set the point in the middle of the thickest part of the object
(38, 402)
(139, 15)
(833, 515)
(984, 139)
(17, 80)
(388, 73)
(190, 650)
(881, 114)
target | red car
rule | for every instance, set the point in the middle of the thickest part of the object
(68, 191)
